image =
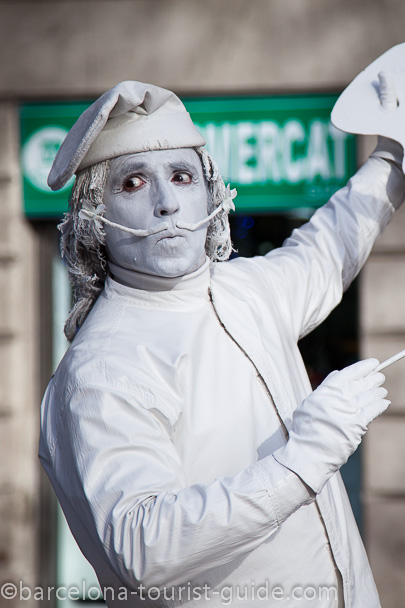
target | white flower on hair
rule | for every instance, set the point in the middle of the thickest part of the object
(88, 212)
(227, 203)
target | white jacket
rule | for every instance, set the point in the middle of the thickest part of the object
(109, 415)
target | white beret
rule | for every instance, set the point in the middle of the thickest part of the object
(131, 117)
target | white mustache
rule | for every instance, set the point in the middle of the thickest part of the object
(91, 215)
(88, 212)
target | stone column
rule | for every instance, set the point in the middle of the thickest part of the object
(382, 315)
(18, 371)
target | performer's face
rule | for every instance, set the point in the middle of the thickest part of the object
(141, 191)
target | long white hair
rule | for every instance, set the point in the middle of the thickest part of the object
(83, 242)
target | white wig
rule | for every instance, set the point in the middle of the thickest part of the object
(83, 242)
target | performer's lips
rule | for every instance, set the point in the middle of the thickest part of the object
(170, 236)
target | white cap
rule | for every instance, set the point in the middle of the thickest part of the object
(131, 117)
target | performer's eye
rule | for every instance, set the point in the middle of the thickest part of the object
(182, 178)
(132, 183)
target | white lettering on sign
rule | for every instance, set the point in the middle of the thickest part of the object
(293, 165)
(247, 153)
(262, 152)
(338, 138)
(269, 153)
(219, 144)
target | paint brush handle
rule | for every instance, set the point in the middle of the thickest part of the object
(391, 360)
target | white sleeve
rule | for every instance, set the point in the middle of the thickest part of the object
(310, 272)
(117, 465)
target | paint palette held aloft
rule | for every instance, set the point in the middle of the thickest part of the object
(366, 108)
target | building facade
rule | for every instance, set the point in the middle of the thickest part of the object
(71, 50)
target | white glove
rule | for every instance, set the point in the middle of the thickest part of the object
(392, 151)
(329, 424)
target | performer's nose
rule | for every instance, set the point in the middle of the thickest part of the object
(166, 201)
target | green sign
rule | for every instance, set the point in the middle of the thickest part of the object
(43, 128)
(280, 152)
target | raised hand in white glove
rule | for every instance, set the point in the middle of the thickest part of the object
(329, 424)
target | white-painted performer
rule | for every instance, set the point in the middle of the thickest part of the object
(192, 460)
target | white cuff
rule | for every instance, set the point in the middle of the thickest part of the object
(288, 491)
(389, 150)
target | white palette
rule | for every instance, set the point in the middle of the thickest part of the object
(358, 109)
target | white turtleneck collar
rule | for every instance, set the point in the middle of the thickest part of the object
(195, 281)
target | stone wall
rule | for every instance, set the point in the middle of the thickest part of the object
(64, 48)
(18, 369)
(383, 334)
(82, 47)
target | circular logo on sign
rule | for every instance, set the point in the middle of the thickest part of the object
(38, 154)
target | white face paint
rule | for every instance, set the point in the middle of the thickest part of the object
(141, 191)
